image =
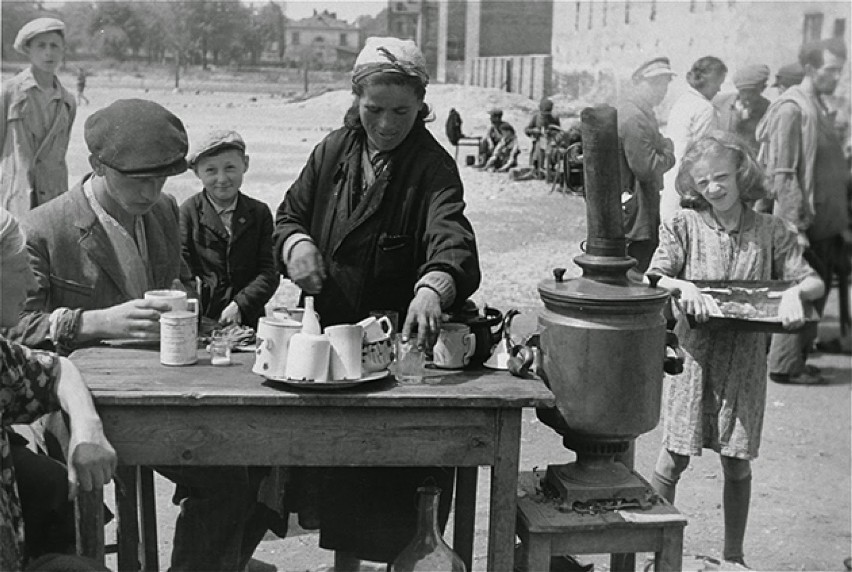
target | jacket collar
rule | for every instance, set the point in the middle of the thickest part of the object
(242, 219)
(93, 238)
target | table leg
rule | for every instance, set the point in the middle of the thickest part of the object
(465, 516)
(128, 519)
(89, 513)
(670, 556)
(537, 553)
(148, 514)
(504, 491)
(623, 562)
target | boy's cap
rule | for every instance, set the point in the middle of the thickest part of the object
(35, 27)
(213, 141)
(789, 75)
(653, 68)
(495, 112)
(751, 76)
(138, 138)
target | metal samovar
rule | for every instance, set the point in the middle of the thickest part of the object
(603, 339)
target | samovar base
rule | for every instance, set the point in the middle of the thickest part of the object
(585, 483)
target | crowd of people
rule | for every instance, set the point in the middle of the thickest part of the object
(740, 190)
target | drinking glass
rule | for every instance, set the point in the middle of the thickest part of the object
(410, 362)
(220, 348)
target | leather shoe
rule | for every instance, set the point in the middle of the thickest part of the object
(804, 378)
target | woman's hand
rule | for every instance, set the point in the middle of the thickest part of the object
(92, 459)
(425, 312)
(305, 267)
(790, 309)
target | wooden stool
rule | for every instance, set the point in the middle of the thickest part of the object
(546, 532)
(468, 142)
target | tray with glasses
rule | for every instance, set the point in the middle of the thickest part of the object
(747, 305)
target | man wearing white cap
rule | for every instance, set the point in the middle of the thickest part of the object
(646, 156)
(37, 116)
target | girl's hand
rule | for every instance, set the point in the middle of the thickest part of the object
(790, 309)
(425, 312)
(692, 301)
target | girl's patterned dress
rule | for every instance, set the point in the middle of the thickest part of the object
(719, 399)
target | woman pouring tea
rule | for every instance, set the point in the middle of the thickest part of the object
(376, 221)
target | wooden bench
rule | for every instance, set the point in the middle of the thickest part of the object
(545, 531)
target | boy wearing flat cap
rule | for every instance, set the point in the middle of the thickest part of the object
(492, 137)
(741, 111)
(226, 236)
(95, 251)
(37, 116)
(538, 130)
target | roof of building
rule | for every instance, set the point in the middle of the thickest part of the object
(324, 20)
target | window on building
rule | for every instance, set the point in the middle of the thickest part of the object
(295, 38)
(653, 15)
(591, 13)
(319, 40)
(813, 27)
(344, 40)
(839, 27)
(577, 17)
(626, 11)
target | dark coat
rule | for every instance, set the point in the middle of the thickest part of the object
(645, 156)
(76, 267)
(240, 267)
(410, 221)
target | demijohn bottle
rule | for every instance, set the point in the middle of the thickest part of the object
(427, 551)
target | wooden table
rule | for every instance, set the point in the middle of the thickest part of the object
(212, 415)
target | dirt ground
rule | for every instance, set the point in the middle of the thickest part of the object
(800, 513)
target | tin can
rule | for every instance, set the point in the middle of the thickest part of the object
(178, 338)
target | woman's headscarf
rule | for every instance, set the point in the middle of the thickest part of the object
(390, 55)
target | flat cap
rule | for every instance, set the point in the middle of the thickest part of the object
(653, 68)
(789, 75)
(35, 27)
(390, 55)
(137, 137)
(546, 104)
(495, 112)
(755, 75)
(214, 141)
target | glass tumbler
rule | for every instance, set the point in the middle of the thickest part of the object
(410, 362)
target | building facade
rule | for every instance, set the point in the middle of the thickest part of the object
(323, 38)
(597, 44)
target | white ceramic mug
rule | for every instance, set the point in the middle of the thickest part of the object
(454, 347)
(177, 300)
(376, 328)
(273, 344)
(345, 340)
(308, 357)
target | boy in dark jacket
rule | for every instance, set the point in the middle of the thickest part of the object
(226, 236)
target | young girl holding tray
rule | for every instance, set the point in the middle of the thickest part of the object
(719, 399)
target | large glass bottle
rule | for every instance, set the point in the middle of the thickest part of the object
(310, 319)
(427, 551)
